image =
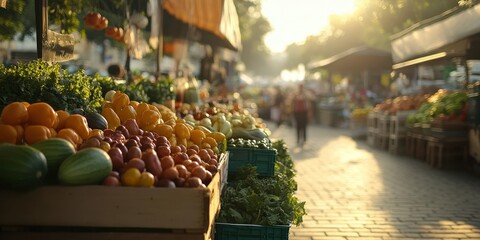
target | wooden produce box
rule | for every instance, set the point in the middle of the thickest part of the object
(102, 212)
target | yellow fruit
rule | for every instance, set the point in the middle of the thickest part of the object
(197, 136)
(131, 177)
(146, 180)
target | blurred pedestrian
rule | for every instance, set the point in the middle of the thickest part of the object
(301, 104)
(277, 106)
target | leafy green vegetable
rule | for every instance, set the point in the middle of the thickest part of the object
(141, 91)
(264, 201)
(159, 91)
(39, 81)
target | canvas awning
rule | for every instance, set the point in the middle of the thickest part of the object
(439, 37)
(216, 21)
(355, 60)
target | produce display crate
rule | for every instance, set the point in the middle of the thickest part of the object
(447, 152)
(358, 127)
(227, 231)
(372, 119)
(397, 144)
(398, 124)
(263, 159)
(103, 212)
(382, 141)
(383, 125)
(371, 136)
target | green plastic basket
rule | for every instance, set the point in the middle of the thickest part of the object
(263, 159)
(230, 231)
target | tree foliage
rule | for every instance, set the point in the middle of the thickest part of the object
(9, 19)
(253, 27)
(371, 25)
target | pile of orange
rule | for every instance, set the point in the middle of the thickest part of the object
(22, 122)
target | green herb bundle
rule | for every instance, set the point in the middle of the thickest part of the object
(159, 91)
(39, 81)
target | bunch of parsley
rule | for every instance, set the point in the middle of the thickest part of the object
(39, 81)
(249, 199)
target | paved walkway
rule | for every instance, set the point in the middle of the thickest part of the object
(353, 191)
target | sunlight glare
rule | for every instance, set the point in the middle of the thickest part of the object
(294, 21)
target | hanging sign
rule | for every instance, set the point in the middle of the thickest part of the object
(57, 47)
(3, 3)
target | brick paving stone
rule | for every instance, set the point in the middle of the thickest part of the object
(352, 189)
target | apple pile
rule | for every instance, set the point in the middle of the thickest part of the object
(95, 21)
(146, 159)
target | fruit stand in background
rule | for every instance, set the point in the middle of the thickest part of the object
(432, 128)
(387, 122)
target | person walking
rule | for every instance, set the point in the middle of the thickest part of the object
(301, 104)
(277, 106)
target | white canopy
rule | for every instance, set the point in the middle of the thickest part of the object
(424, 38)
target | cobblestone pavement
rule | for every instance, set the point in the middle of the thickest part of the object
(353, 191)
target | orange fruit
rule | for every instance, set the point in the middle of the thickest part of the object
(211, 141)
(126, 112)
(41, 114)
(36, 133)
(78, 123)
(9, 134)
(70, 135)
(197, 136)
(61, 116)
(119, 100)
(14, 113)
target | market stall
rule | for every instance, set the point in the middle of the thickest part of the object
(439, 55)
(359, 70)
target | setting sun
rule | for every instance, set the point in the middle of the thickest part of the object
(294, 21)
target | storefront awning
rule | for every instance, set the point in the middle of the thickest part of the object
(216, 20)
(426, 38)
(355, 60)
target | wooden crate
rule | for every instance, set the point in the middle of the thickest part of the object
(397, 144)
(372, 119)
(447, 152)
(371, 136)
(398, 126)
(382, 141)
(383, 126)
(102, 212)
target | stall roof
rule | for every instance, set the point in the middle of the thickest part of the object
(355, 59)
(217, 18)
(423, 39)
